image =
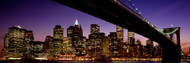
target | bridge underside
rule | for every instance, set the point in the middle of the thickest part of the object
(117, 14)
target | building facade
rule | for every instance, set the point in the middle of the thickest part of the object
(95, 28)
(114, 43)
(131, 37)
(119, 31)
(57, 40)
(16, 42)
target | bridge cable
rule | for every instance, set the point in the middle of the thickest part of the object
(137, 11)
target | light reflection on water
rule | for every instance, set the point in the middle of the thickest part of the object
(33, 61)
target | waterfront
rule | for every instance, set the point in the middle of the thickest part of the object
(24, 61)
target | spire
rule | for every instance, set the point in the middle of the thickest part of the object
(17, 26)
(172, 25)
(80, 26)
(76, 22)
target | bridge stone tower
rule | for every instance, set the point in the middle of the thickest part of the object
(170, 32)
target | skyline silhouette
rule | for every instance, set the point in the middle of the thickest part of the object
(41, 16)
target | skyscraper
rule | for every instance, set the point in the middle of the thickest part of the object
(70, 31)
(67, 45)
(48, 47)
(36, 49)
(48, 43)
(119, 30)
(95, 44)
(57, 40)
(58, 32)
(158, 51)
(106, 47)
(17, 42)
(78, 41)
(95, 28)
(131, 38)
(139, 49)
(28, 38)
(149, 47)
(114, 43)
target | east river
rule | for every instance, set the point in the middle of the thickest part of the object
(34, 61)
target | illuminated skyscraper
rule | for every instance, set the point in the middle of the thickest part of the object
(67, 46)
(58, 32)
(57, 40)
(106, 47)
(131, 38)
(28, 38)
(94, 44)
(114, 43)
(78, 41)
(36, 49)
(17, 42)
(119, 30)
(95, 28)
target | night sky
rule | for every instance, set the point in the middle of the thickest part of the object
(41, 16)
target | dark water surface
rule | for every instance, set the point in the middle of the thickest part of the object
(34, 61)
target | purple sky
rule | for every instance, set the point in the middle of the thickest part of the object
(41, 16)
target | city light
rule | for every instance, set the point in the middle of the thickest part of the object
(68, 43)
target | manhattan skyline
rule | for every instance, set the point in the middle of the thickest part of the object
(41, 16)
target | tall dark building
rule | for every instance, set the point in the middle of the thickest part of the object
(189, 49)
(48, 47)
(95, 28)
(149, 47)
(48, 43)
(158, 51)
(17, 42)
(119, 30)
(114, 43)
(131, 38)
(70, 31)
(139, 49)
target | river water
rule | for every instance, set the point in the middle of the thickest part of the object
(34, 61)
